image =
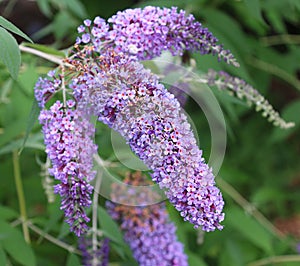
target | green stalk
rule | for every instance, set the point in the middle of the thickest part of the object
(20, 193)
(275, 260)
(249, 208)
(275, 70)
(52, 239)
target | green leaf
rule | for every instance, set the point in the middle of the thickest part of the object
(15, 245)
(73, 260)
(7, 213)
(111, 230)
(76, 7)
(2, 256)
(12, 131)
(109, 227)
(44, 6)
(290, 113)
(65, 19)
(276, 20)
(250, 229)
(195, 260)
(11, 27)
(33, 116)
(169, 3)
(10, 53)
(231, 35)
(255, 9)
(34, 142)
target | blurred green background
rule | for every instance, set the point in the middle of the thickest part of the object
(260, 176)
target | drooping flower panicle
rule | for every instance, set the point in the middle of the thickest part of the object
(146, 32)
(131, 100)
(243, 90)
(46, 87)
(91, 257)
(148, 230)
(69, 145)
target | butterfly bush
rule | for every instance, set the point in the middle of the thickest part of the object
(130, 99)
(147, 32)
(148, 230)
(224, 81)
(93, 257)
(68, 138)
(103, 77)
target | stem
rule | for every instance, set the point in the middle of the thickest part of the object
(48, 57)
(63, 86)
(275, 259)
(94, 218)
(275, 70)
(103, 163)
(53, 239)
(20, 193)
(249, 208)
(55, 59)
(281, 39)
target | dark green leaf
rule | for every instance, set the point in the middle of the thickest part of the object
(33, 116)
(44, 6)
(250, 229)
(2, 256)
(165, 3)
(10, 53)
(76, 7)
(27, 78)
(111, 230)
(7, 213)
(34, 142)
(109, 227)
(11, 27)
(255, 9)
(195, 260)
(62, 18)
(276, 21)
(291, 114)
(15, 245)
(12, 131)
(264, 195)
(229, 33)
(73, 260)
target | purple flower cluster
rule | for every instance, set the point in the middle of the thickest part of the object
(242, 90)
(106, 80)
(45, 88)
(148, 230)
(68, 138)
(130, 99)
(90, 257)
(147, 32)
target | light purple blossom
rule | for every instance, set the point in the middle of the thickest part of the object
(147, 32)
(148, 230)
(131, 100)
(86, 38)
(243, 90)
(69, 145)
(45, 88)
(90, 257)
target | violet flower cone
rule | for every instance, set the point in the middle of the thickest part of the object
(146, 33)
(90, 257)
(130, 100)
(148, 230)
(68, 136)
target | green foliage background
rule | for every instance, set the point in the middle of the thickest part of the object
(260, 176)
